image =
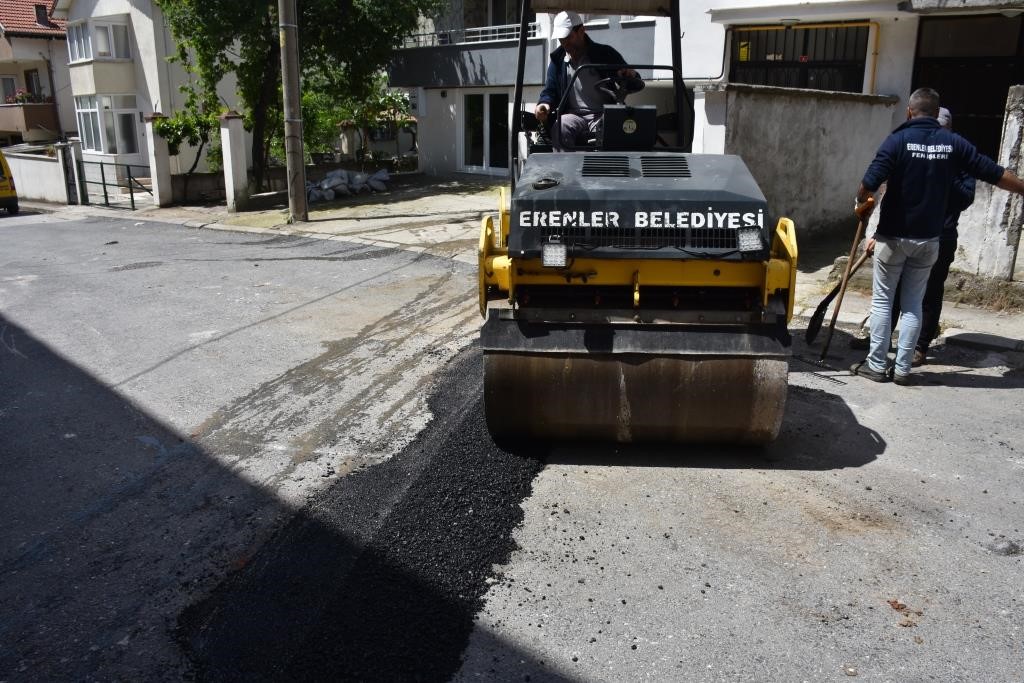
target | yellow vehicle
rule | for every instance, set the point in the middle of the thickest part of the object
(634, 291)
(8, 193)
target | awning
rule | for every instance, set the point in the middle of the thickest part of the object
(806, 12)
(1010, 9)
(660, 8)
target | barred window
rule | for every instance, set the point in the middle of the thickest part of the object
(817, 58)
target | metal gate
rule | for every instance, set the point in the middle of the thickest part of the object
(972, 61)
(115, 185)
(67, 160)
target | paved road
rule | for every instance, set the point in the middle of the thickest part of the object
(166, 514)
(170, 397)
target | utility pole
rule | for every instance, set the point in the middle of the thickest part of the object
(294, 158)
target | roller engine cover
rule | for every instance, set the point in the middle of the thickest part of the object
(638, 205)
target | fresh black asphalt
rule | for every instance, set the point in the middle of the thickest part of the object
(381, 577)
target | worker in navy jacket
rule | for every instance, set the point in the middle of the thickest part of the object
(919, 162)
(961, 196)
(581, 114)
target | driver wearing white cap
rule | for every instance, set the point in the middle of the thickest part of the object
(581, 115)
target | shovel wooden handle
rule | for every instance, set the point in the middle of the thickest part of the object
(846, 274)
(814, 326)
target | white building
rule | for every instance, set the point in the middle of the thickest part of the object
(117, 56)
(35, 95)
(970, 51)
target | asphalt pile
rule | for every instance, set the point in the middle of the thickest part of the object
(382, 577)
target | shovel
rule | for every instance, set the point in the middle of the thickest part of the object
(814, 326)
(846, 276)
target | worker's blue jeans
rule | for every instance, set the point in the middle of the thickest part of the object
(906, 262)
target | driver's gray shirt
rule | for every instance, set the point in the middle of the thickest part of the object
(585, 99)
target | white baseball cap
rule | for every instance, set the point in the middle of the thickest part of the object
(945, 118)
(564, 23)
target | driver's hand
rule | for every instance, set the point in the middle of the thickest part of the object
(541, 111)
(628, 73)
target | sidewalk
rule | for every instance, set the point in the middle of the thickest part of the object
(441, 217)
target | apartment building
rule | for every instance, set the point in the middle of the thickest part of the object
(35, 94)
(461, 66)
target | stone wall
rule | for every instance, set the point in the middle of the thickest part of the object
(807, 149)
(990, 229)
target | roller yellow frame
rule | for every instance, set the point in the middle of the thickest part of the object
(499, 271)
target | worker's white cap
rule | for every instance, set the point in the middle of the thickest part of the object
(564, 23)
(945, 118)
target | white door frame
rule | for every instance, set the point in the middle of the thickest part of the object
(460, 134)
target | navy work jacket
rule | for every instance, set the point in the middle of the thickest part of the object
(920, 160)
(558, 73)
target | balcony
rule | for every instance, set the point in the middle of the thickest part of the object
(26, 119)
(467, 57)
(468, 35)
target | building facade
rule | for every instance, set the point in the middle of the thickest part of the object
(35, 93)
(463, 63)
(118, 59)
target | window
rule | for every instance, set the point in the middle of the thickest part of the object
(106, 123)
(88, 122)
(79, 46)
(112, 41)
(32, 83)
(826, 58)
(383, 133)
(9, 86)
(42, 16)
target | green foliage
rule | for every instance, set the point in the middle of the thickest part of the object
(344, 46)
(321, 113)
(191, 127)
(377, 106)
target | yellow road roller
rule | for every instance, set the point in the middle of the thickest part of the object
(634, 292)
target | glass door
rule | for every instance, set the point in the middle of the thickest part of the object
(485, 130)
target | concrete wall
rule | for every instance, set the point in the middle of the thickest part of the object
(990, 229)
(807, 149)
(198, 187)
(38, 177)
(466, 65)
(437, 131)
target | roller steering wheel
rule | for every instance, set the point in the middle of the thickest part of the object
(619, 87)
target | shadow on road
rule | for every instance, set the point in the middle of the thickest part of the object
(819, 432)
(113, 525)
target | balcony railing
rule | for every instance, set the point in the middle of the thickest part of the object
(484, 34)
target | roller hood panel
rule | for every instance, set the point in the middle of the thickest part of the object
(614, 205)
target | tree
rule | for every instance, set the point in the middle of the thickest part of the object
(380, 106)
(344, 45)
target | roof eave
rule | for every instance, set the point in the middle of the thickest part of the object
(31, 34)
(61, 8)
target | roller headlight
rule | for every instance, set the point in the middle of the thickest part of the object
(750, 239)
(554, 254)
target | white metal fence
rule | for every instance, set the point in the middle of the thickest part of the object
(462, 36)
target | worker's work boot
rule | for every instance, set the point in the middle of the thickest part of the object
(920, 357)
(901, 380)
(862, 369)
